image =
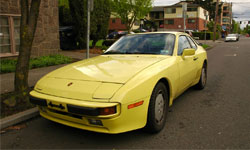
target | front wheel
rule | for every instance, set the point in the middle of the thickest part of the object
(158, 108)
(203, 78)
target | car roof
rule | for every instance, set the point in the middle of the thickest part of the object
(172, 32)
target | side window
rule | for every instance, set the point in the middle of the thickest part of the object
(183, 44)
(192, 43)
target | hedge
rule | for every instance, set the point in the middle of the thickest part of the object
(201, 35)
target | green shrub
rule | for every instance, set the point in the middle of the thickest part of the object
(99, 43)
(201, 35)
(9, 65)
(136, 31)
(104, 47)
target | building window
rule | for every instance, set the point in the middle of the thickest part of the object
(17, 32)
(113, 20)
(157, 15)
(169, 21)
(191, 9)
(151, 14)
(225, 14)
(9, 34)
(225, 20)
(171, 10)
(225, 8)
(191, 20)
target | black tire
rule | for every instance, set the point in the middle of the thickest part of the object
(157, 112)
(203, 78)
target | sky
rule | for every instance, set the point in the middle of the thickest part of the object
(241, 8)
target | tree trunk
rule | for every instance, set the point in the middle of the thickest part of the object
(27, 31)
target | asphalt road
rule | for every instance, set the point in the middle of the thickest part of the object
(217, 117)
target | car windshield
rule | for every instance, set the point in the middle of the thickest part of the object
(231, 35)
(156, 43)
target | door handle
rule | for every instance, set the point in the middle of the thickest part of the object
(195, 58)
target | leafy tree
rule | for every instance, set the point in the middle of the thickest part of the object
(247, 29)
(65, 18)
(28, 24)
(210, 27)
(131, 10)
(100, 20)
(78, 10)
(235, 27)
(98, 24)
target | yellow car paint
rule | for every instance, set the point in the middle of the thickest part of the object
(117, 80)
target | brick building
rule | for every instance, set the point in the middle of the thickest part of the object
(171, 17)
(226, 17)
(46, 39)
(116, 24)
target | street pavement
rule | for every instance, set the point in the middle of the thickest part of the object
(217, 117)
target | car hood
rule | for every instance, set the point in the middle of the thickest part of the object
(96, 78)
(107, 68)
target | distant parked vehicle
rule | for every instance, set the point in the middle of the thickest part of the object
(247, 35)
(189, 32)
(232, 37)
(67, 38)
(117, 34)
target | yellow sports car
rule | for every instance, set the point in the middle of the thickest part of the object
(130, 86)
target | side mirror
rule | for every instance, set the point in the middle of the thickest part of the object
(188, 52)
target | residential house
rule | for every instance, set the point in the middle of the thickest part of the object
(156, 15)
(226, 17)
(46, 39)
(171, 17)
(116, 24)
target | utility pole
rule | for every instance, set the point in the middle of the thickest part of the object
(184, 9)
(231, 13)
(206, 15)
(90, 7)
(215, 19)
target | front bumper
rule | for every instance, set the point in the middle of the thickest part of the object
(123, 120)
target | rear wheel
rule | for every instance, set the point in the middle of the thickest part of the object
(158, 108)
(203, 78)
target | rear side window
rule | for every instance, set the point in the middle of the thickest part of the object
(192, 43)
(183, 44)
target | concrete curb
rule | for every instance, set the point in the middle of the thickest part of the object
(207, 49)
(19, 117)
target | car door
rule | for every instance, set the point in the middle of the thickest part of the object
(187, 66)
(197, 53)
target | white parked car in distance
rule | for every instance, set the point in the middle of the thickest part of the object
(232, 37)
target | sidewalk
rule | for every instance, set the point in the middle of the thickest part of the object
(211, 42)
(7, 80)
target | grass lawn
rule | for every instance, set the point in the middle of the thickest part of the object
(9, 65)
(205, 46)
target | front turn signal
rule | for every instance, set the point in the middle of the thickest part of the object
(135, 104)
